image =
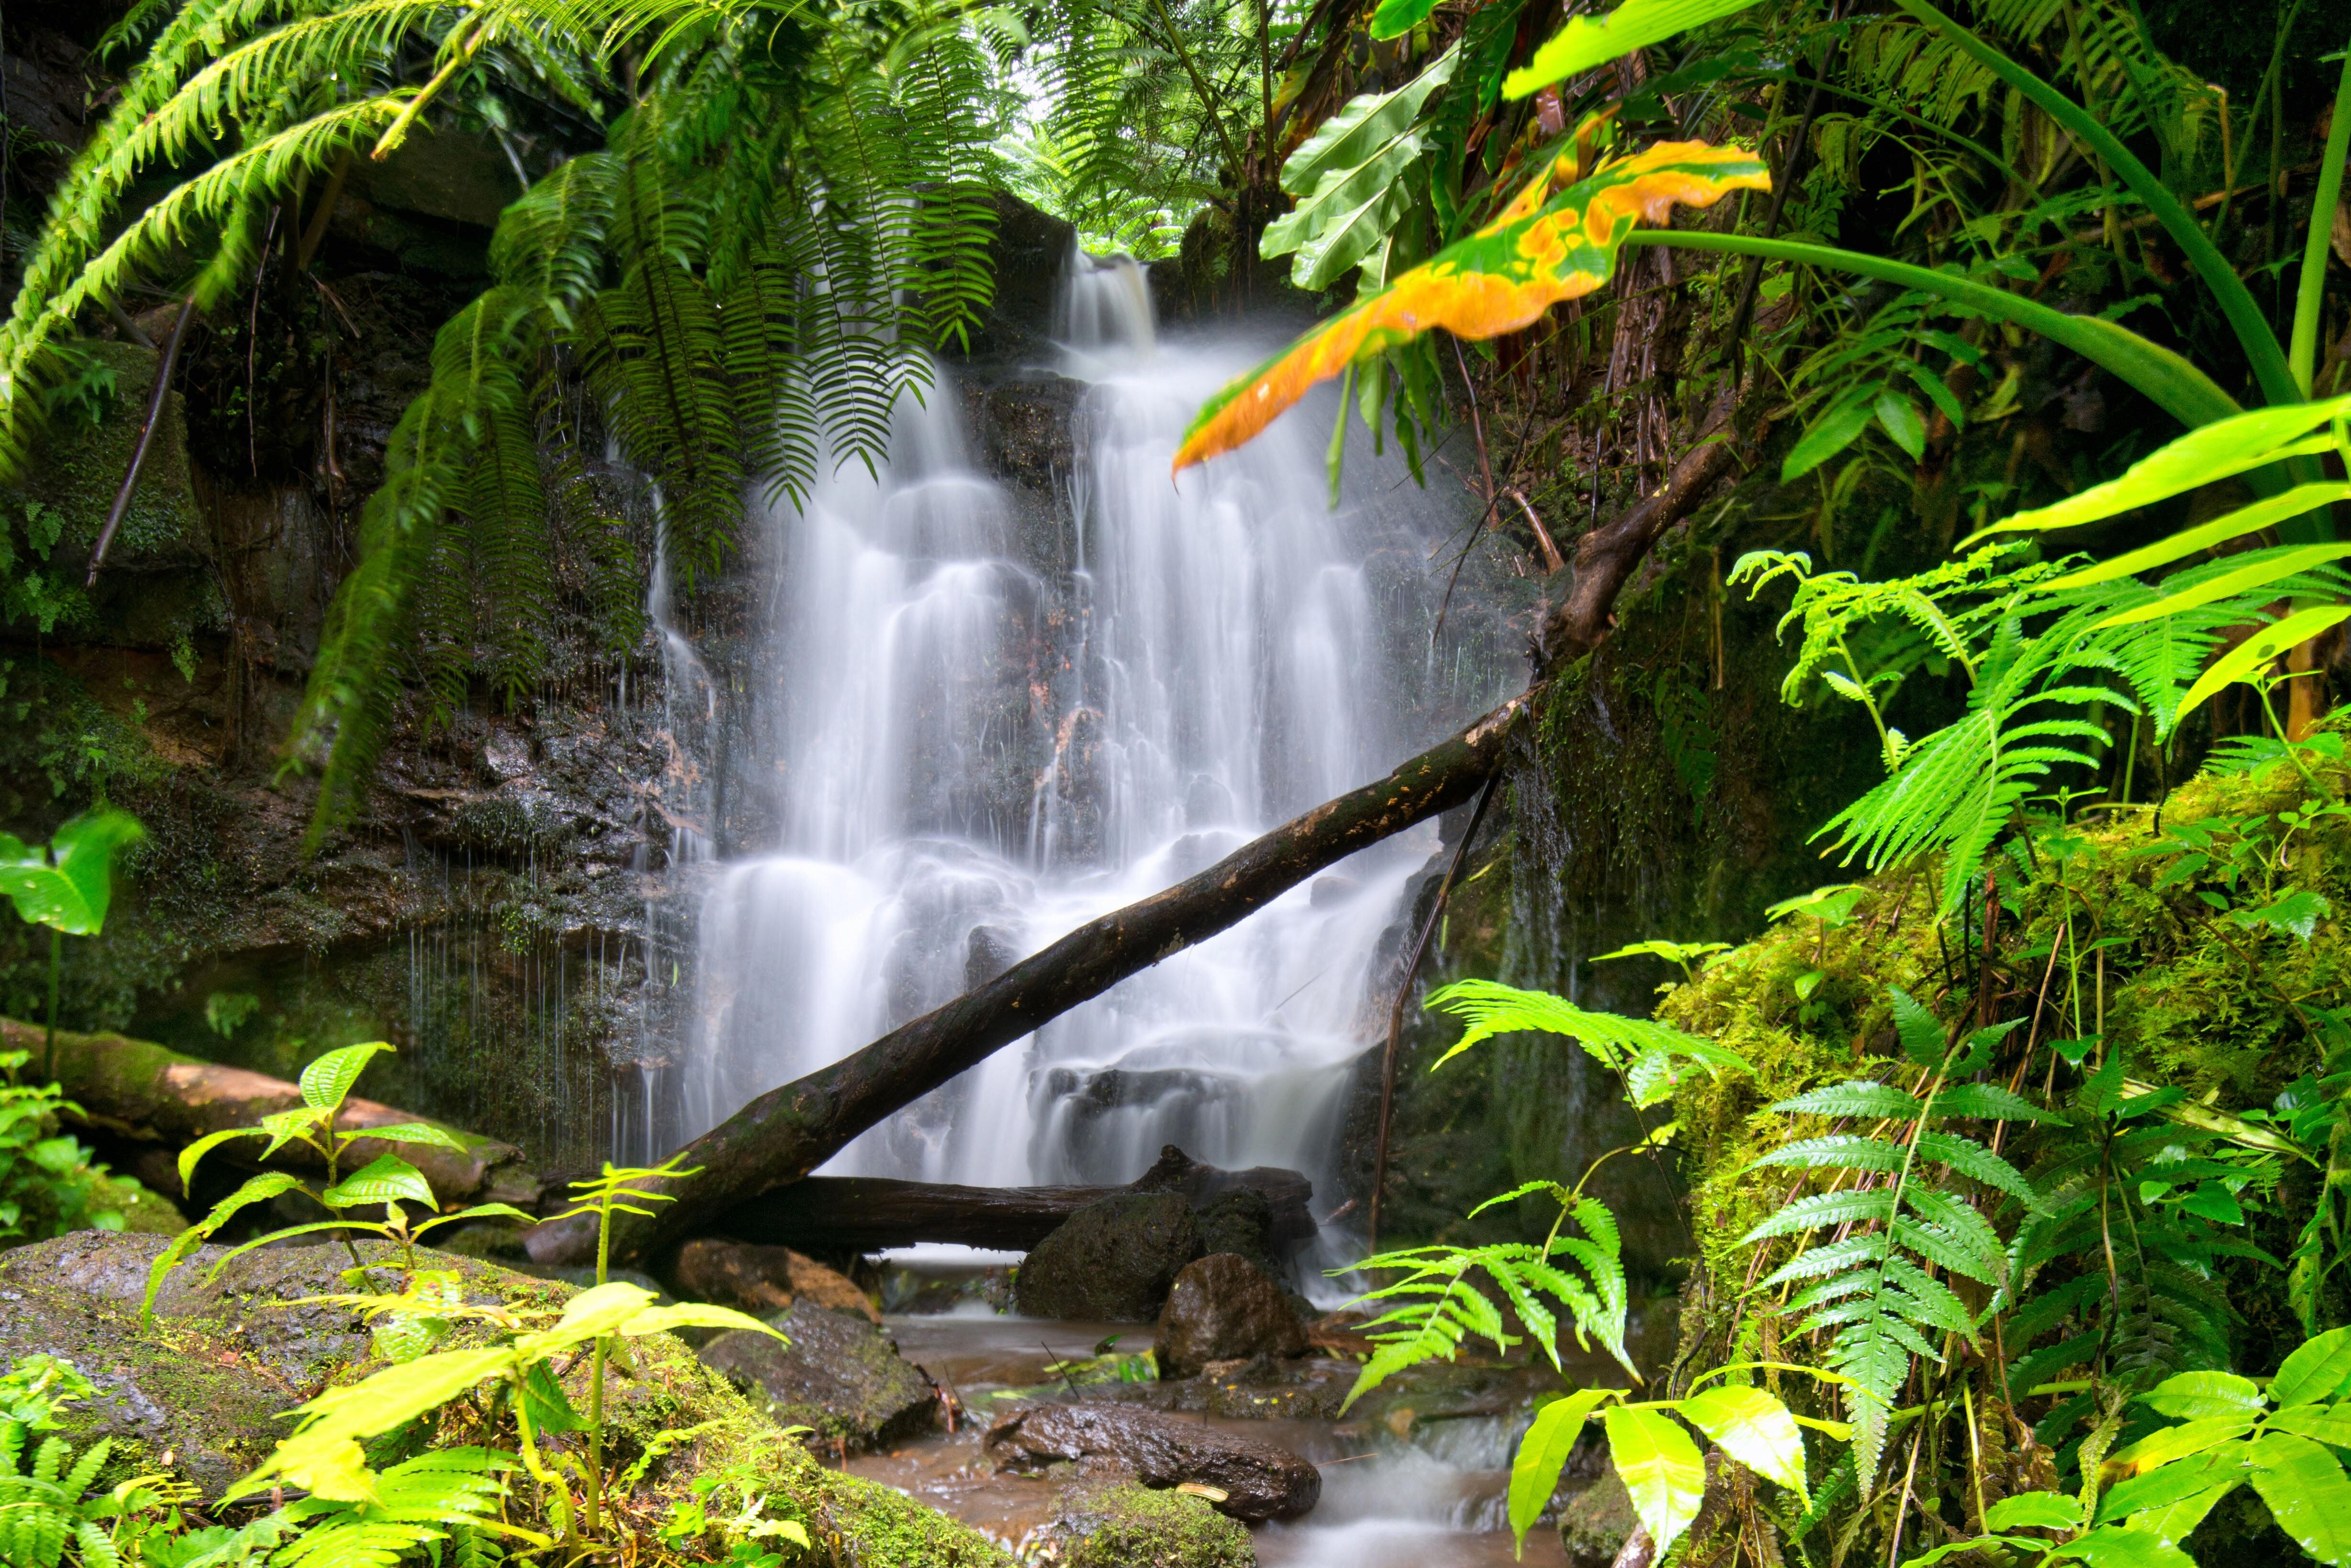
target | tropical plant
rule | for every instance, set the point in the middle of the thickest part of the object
(387, 1182)
(49, 1183)
(1874, 1289)
(49, 1516)
(65, 885)
(2146, 1497)
(623, 1190)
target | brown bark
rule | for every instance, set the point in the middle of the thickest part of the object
(1606, 557)
(787, 1132)
(157, 1100)
(860, 1214)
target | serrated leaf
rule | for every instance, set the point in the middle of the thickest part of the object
(2197, 1395)
(416, 1133)
(385, 1179)
(326, 1082)
(1858, 1098)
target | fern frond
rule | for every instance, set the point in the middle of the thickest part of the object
(1652, 1056)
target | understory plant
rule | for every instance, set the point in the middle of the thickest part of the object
(386, 1182)
(50, 1182)
(65, 885)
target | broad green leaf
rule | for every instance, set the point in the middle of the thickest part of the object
(385, 1179)
(1660, 1466)
(258, 1189)
(2273, 566)
(194, 1152)
(2328, 1424)
(2197, 1395)
(1555, 241)
(1899, 418)
(1839, 426)
(2174, 1522)
(2112, 1546)
(1588, 41)
(414, 1132)
(692, 1315)
(478, 1211)
(2034, 1510)
(1543, 1454)
(2183, 1441)
(68, 885)
(544, 1399)
(2307, 1492)
(2169, 1486)
(2266, 512)
(1398, 17)
(328, 1081)
(2259, 651)
(1753, 1428)
(1971, 1543)
(2318, 1369)
(1350, 180)
(319, 1456)
(2209, 452)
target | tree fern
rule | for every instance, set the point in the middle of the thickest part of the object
(1874, 1290)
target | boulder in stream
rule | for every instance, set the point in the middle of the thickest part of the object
(839, 1375)
(1225, 1308)
(763, 1279)
(1106, 1523)
(1112, 1261)
(1258, 1481)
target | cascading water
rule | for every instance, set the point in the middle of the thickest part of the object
(1189, 664)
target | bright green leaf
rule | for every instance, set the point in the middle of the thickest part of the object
(1543, 1454)
(1588, 41)
(2318, 1369)
(2257, 652)
(2034, 1510)
(2306, 1491)
(1399, 16)
(328, 1081)
(2192, 1395)
(1660, 1466)
(386, 1180)
(1753, 1428)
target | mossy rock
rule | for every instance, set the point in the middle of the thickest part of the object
(1594, 1524)
(1121, 1524)
(835, 1373)
(209, 1381)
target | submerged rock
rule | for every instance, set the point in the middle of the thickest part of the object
(839, 1375)
(1225, 1308)
(1259, 1480)
(1118, 1524)
(763, 1279)
(1112, 1261)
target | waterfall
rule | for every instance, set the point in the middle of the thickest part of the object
(978, 739)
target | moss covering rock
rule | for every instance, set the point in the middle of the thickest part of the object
(206, 1386)
(1119, 1524)
(835, 1373)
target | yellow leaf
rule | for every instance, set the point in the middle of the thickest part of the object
(1555, 241)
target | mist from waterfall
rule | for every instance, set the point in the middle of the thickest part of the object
(975, 749)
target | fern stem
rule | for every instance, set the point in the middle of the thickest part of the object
(397, 131)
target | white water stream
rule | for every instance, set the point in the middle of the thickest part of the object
(1205, 658)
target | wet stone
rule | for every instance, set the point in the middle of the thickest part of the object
(1259, 1480)
(839, 1375)
(1112, 1261)
(1225, 1308)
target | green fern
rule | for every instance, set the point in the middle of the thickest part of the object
(450, 1496)
(1650, 1057)
(1438, 1308)
(1874, 1290)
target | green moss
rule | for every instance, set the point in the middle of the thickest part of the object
(2188, 996)
(1124, 1525)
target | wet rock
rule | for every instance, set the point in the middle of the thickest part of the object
(1259, 1480)
(249, 1310)
(763, 1279)
(1117, 1525)
(1594, 1524)
(1112, 1261)
(1225, 1308)
(173, 1390)
(839, 1375)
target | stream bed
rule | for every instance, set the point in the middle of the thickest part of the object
(1417, 1473)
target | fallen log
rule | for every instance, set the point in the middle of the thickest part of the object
(787, 1132)
(867, 1213)
(159, 1101)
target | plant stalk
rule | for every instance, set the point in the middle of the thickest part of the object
(57, 961)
